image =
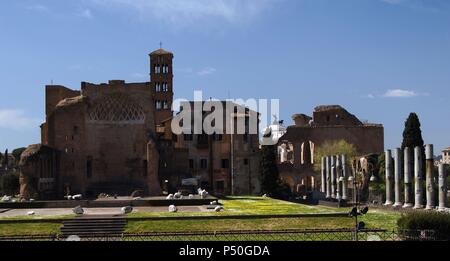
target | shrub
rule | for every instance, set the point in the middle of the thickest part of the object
(439, 222)
(283, 191)
(10, 183)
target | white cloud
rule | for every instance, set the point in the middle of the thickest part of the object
(206, 71)
(16, 120)
(370, 96)
(185, 12)
(86, 13)
(37, 7)
(399, 93)
(423, 5)
(394, 2)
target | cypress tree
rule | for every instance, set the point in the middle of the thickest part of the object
(412, 135)
(269, 170)
(5, 160)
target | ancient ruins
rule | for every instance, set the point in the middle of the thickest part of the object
(401, 175)
(329, 123)
(114, 138)
(402, 169)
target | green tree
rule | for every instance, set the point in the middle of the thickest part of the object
(412, 134)
(412, 137)
(329, 148)
(271, 183)
(17, 153)
(381, 166)
(5, 158)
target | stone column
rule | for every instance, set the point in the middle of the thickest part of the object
(407, 178)
(333, 177)
(338, 175)
(345, 175)
(418, 170)
(442, 187)
(430, 184)
(398, 170)
(328, 176)
(323, 176)
(389, 177)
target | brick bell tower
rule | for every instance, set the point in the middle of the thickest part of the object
(161, 82)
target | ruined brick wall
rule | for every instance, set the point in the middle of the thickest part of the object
(330, 123)
(366, 138)
(53, 95)
(334, 115)
(103, 136)
(38, 172)
(247, 165)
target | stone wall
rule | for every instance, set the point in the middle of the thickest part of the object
(102, 135)
(39, 169)
(217, 150)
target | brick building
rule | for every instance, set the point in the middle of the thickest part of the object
(222, 160)
(111, 138)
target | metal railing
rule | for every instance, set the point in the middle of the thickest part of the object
(275, 235)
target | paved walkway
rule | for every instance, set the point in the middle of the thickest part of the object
(47, 212)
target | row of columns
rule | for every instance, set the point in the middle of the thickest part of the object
(400, 165)
(334, 176)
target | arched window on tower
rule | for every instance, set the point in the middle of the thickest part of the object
(165, 105)
(158, 104)
(157, 69)
(158, 87)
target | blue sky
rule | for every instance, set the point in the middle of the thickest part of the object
(380, 59)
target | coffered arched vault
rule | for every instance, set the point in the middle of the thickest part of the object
(116, 108)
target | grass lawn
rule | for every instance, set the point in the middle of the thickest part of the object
(258, 205)
(264, 206)
(372, 220)
(29, 229)
(233, 206)
(251, 206)
(235, 224)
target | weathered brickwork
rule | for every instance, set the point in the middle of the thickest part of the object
(116, 138)
(104, 136)
(329, 123)
(220, 160)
